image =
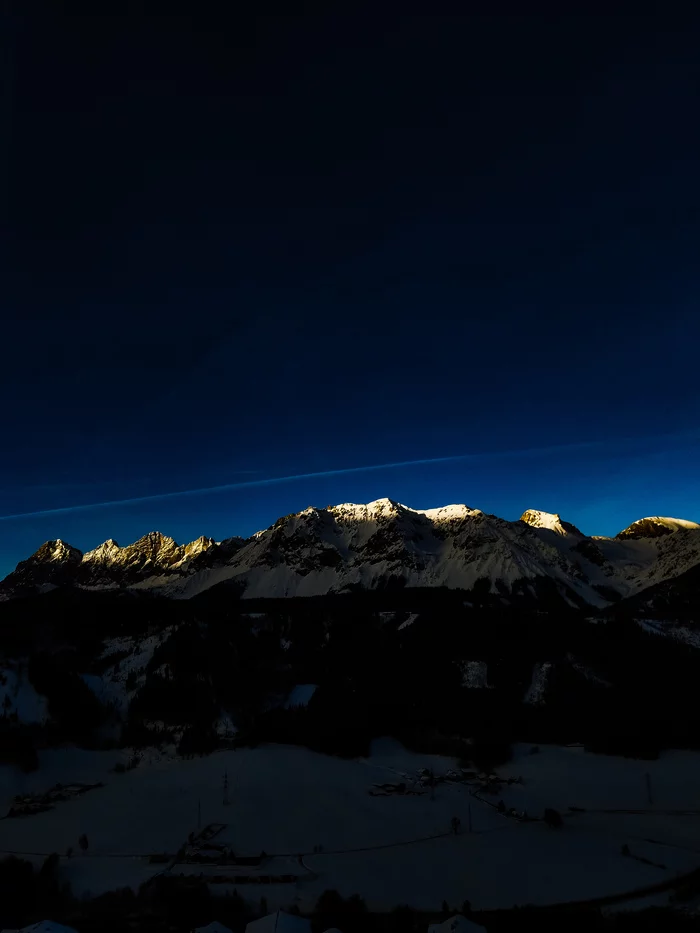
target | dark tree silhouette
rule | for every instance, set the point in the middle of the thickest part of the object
(553, 818)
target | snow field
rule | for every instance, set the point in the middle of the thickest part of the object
(288, 801)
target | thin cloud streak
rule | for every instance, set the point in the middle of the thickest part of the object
(88, 484)
(345, 471)
(40, 487)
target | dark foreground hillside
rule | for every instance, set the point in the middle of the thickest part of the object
(384, 663)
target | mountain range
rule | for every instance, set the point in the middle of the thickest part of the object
(422, 624)
(349, 548)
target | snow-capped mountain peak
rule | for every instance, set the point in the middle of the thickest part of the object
(656, 526)
(449, 513)
(155, 541)
(549, 520)
(56, 551)
(358, 512)
(199, 546)
(104, 553)
(54, 563)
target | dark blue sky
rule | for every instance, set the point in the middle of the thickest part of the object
(292, 244)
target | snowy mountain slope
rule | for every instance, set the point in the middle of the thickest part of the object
(348, 547)
(656, 526)
(55, 563)
(154, 556)
(119, 681)
(674, 600)
(550, 521)
(638, 563)
(679, 632)
(18, 698)
(381, 544)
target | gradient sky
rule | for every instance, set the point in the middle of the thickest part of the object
(260, 246)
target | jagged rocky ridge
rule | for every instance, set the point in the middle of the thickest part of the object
(348, 547)
(109, 565)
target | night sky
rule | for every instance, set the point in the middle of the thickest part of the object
(263, 245)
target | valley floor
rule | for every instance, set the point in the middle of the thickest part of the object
(289, 801)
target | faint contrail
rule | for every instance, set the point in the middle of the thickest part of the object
(92, 484)
(276, 480)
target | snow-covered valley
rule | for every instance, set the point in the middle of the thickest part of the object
(288, 801)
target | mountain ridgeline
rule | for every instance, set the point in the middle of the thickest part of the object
(442, 627)
(349, 548)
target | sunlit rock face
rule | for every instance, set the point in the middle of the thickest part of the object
(656, 527)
